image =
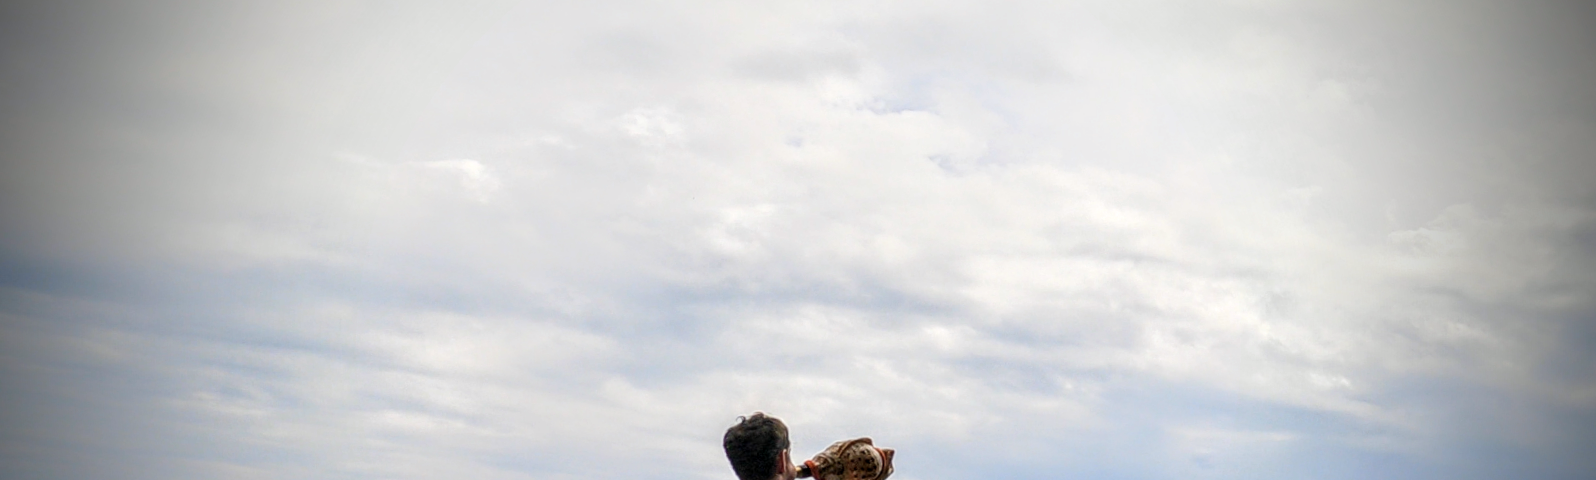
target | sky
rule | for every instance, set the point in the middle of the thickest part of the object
(1029, 239)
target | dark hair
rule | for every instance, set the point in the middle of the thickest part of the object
(754, 445)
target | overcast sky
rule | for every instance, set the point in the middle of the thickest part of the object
(573, 240)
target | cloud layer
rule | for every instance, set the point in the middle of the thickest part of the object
(1028, 240)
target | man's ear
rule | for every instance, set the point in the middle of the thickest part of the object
(784, 461)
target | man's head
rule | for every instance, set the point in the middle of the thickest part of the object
(757, 447)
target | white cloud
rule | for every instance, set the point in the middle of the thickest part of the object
(1038, 239)
(473, 176)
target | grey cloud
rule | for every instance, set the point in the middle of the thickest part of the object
(799, 65)
(1217, 240)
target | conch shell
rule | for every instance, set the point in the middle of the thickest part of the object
(857, 459)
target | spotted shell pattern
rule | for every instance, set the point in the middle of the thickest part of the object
(856, 459)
